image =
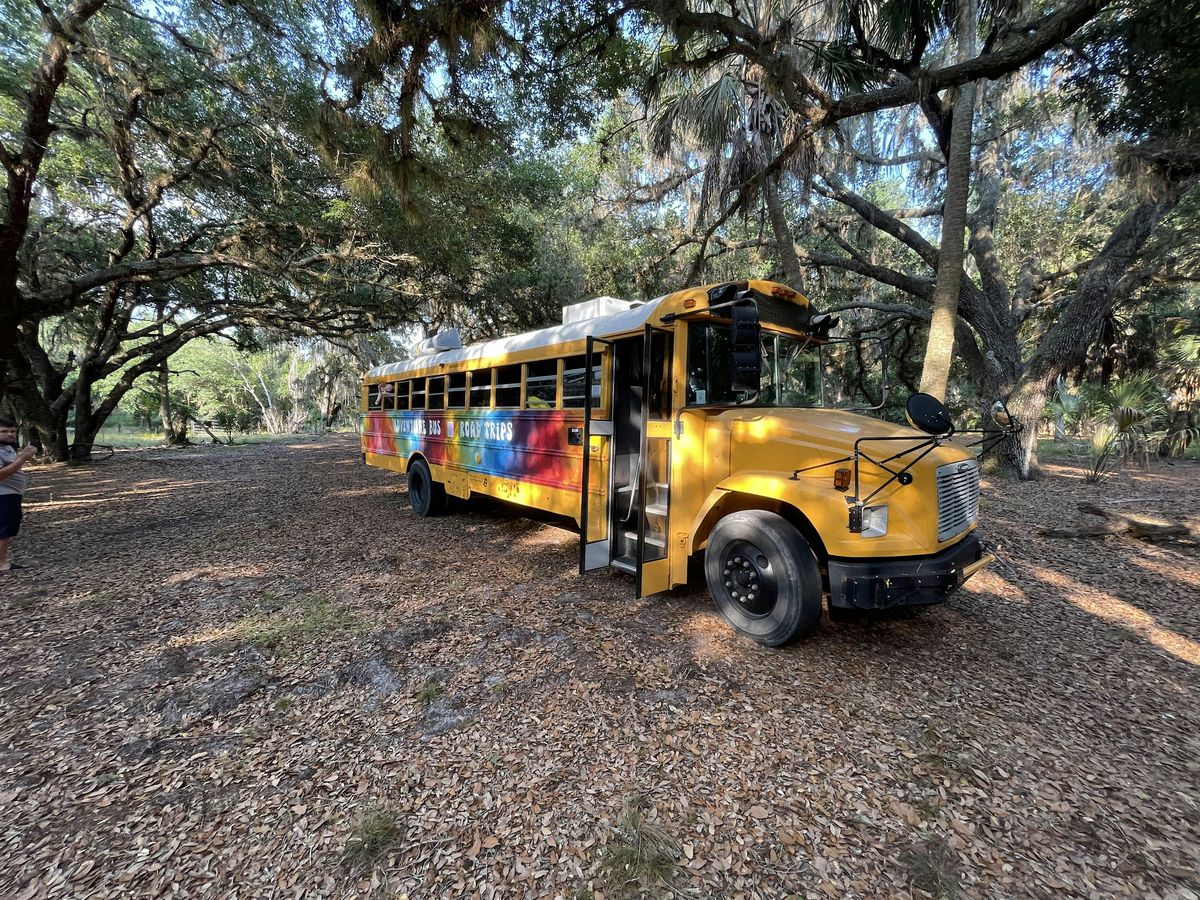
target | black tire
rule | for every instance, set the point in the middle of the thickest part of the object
(764, 577)
(426, 496)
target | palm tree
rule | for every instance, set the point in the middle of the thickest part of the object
(939, 350)
(1180, 371)
(726, 114)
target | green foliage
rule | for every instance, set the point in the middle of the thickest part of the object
(1125, 422)
(1136, 71)
(271, 384)
(1066, 406)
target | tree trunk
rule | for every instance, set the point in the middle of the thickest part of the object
(87, 423)
(174, 427)
(49, 423)
(50, 426)
(332, 414)
(792, 273)
(1017, 455)
(22, 166)
(939, 350)
(1107, 281)
(164, 403)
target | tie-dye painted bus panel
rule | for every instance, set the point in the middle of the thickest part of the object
(525, 445)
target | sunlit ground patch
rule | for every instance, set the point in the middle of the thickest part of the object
(1122, 614)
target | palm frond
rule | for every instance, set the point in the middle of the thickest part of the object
(718, 110)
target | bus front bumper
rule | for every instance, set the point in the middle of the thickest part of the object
(913, 581)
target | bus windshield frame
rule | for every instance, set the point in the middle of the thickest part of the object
(793, 370)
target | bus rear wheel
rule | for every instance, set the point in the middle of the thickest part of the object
(426, 496)
(763, 576)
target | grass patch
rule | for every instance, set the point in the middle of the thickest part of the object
(927, 807)
(640, 857)
(430, 692)
(104, 599)
(374, 833)
(131, 438)
(933, 867)
(292, 624)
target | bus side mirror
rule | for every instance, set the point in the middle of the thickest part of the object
(1001, 416)
(747, 353)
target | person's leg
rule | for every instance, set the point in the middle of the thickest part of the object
(10, 524)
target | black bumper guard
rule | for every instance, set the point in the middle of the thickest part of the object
(913, 581)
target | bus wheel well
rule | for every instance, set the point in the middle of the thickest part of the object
(737, 502)
(805, 527)
(413, 457)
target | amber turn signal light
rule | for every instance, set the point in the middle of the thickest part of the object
(841, 479)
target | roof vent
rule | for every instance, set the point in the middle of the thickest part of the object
(594, 309)
(439, 343)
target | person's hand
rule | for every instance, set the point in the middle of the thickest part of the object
(27, 454)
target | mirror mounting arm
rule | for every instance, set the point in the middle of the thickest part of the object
(903, 476)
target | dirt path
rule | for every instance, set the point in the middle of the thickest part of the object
(254, 671)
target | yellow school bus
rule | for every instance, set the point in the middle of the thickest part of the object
(687, 425)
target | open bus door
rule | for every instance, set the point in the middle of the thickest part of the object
(653, 565)
(595, 544)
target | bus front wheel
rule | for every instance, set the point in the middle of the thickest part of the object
(426, 496)
(763, 576)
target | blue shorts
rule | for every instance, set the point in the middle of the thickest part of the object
(10, 515)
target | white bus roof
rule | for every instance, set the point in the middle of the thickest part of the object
(618, 323)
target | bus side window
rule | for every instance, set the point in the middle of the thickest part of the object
(456, 390)
(418, 393)
(373, 396)
(437, 393)
(541, 384)
(508, 387)
(574, 378)
(481, 389)
(402, 389)
(387, 395)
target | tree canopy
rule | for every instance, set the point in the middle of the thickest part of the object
(249, 172)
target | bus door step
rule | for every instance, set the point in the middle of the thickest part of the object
(654, 540)
(625, 564)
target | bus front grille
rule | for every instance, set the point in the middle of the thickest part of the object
(958, 497)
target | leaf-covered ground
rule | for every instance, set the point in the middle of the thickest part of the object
(254, 672)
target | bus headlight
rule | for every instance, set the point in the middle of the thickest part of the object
(874, 521)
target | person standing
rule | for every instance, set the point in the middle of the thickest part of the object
(12, 488)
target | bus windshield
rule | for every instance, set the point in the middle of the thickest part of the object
(791, 369)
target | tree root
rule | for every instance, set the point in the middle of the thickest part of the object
(1138, 525)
